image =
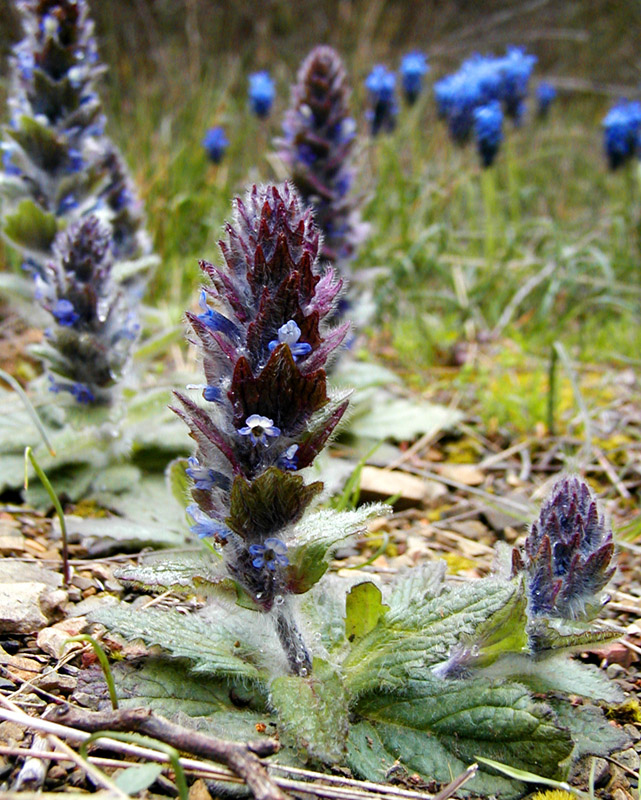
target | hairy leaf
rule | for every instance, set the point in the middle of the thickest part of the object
(593, 735)
(196, 573)
(316, 536)
(312, 713)
(437, 728)
(420, 630)
(30, 227)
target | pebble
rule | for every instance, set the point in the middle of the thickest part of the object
(581, 773)
(53, 681)
(11, 733)
(616, 671)
(52, 640)
(28, 607)
(621, 794)
(628, 758)
(199, 791)
(56, 774)
(632, 731)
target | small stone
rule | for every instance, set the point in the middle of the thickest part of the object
(53, 681)
(81, 582)
(621, 794)
(199, 791)
(12, 545)
(11, 733)
(581, 773)
(12, 571)
(75, 595)
(468, 474)
(628, 758)
(52, 640)
(56, 774)
(616, 671)
(28, 607)
(85, 607)
(632, 731)
(89, 592)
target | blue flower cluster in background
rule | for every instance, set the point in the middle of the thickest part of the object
(413, 68)
(215, 144)
(480, 81)
(545, 96)
(381, 86)
(622, 130)
(262, 92)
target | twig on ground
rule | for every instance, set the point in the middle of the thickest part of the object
(241, 758)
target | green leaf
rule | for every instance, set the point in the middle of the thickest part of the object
(199, 572)
(437, 728)
(558, 673)
(214, 647)
(593, 735)
(39, 141)
(363, 609)
(135, 779)
(178, 481)
(555, 634)
(31, 227)
(420, 629)
(390, 417)
(312, 713)
(317, 534)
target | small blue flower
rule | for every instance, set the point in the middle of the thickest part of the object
(488, 129)
(203, 477)
(413, 68)
(205, 525)
(75, 161)
(270, 555)
(259, 428)
(68, 203)
(7, 163)
(516, 68)
(289, 459)
(381, 85)
(216, 321)
(545, 96)
(65, 314)
(80, 391)
(622, 125)
(289, 334)
(261, 93)
(211, 393)
(216, 144)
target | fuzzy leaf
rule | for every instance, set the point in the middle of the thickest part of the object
(268, 504)
(194, 573)
(419, 631)
(178, 480)
(558, 673)
(312, 713)
(211, 649)
(592, 733)
(30, 227)
(40, 143)
(549, 635)
(363, 609)
(135, 779)
(316, 536)
(437, 728)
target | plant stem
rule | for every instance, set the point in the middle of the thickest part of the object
(291, 639)
(552, 390)
(488, 189)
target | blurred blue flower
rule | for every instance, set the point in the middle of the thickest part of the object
(413, 68)
(64, 313)
(545, 96)
(488, 131)
(261, 93)
(204, 525)
(381, 85)
(270, 554)
(216, 144)
(622, 126)
(289, 459)
(516, 68)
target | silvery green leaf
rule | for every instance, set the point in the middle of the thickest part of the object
(438, 728)
(312, 713)
(420, 630)
(592, 733)
(200, 572)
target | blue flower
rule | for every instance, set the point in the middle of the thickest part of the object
(64, 313)
(622, 125)
(216, 144)
(289, 334)
(75, 161)
(259, 428)
(211, 393)
(381, 85)
(68, 203)
(270, 555)
(488, 129)
(216, 321)
(289, 459)
(261, 93)
(205, 525)
(413, 68)
(80, 391)
(545, 96)
(205, 478)
(516, 68)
